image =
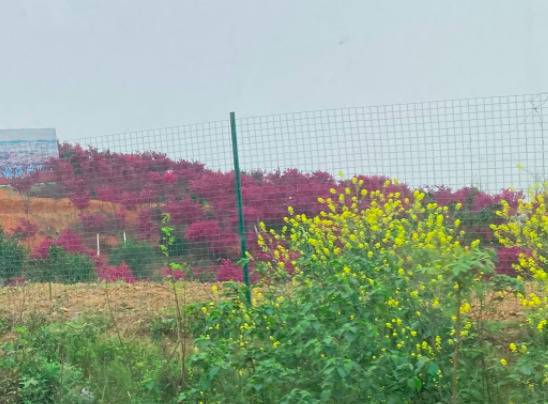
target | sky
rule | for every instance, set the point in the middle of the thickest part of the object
(95, 67)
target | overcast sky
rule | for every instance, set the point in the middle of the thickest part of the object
(97, 67)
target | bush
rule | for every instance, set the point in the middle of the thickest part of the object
(95, 222)
(139, 256)
(68, 240)
(118, 273)
(379, 309)
(12, 257)
(63, 266)
(79, 362)
(183, 211)
(24, 229)
(177, 247)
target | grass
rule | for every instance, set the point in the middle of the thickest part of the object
(136, 323)
(132, 305)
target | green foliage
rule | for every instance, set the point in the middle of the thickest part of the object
(139, 256)
(388, 303)
(79, 362)
(4, 326)
(163, 326)
(12, 257)
(175, 244)
(63, 266)
(169, 241)
(322, 342)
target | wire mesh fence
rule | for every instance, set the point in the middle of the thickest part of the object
(95, 213)
(456, 143)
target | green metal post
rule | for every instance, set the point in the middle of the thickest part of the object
(239, 205)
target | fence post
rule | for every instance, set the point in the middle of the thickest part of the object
(239, 205)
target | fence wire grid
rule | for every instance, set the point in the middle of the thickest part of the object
(95, 212)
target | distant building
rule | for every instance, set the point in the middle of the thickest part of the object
(24, 150)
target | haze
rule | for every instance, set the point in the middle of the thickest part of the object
(92, 68)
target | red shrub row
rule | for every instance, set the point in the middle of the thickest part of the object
(201, 202)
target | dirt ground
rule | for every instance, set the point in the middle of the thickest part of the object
(506, 308)
(51, 216)
(132, 305)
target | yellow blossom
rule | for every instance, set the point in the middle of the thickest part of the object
(541, 324)
(465, 308)
(392, 303)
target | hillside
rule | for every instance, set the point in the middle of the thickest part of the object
(88, 192)
(50, 216)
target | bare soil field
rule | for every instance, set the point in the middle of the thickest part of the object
(50, 215)
(132, 305)
(136, 302)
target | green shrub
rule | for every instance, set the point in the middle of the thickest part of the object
(163, 326)
(78, 362)
(138, 255)
(9, 386)
(12, 257)
(31, 376)
(379, 309)
(62, 266)
(176, 247)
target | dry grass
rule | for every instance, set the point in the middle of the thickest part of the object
(132, 305)
(507, 308)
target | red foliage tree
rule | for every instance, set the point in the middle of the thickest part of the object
(183, 211)
(67, 239)
(25, 229)
(111, 273)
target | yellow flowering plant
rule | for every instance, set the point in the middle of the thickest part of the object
(370, 300)
(527, 228)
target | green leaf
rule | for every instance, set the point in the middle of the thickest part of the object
(414, 383)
